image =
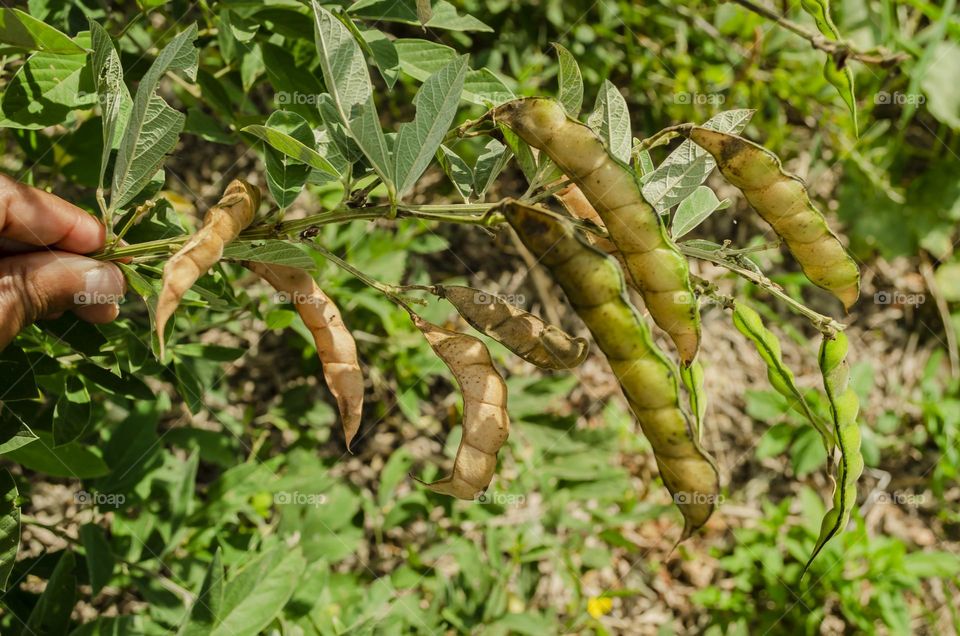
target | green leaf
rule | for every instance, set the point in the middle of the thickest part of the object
(489, 166)
(520, 150)
(99, 557)
(71, 415)
(694, 210)
(286, 176)
(14, 432)
(154, 127)
(436, 104)
(9, 526)
(687, 167)
(348, 82)
(51, 614)
(611, 119)
(114, 97)
(21, 30)
(844, 408)
(457, 170)
(258, 592)
(206, 611)
(571, 81)
(46, 90)
(384, 54)
(422, 58)
(70, 460)
(291, 147)
(269, 251)
(748, 322)
(444, 15)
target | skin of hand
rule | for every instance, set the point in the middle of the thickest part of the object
(42, 272)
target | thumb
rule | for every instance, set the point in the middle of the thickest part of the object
(39, 284)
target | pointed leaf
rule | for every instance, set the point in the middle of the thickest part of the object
(571, 81)
(436, 103)
(694, 210)
(611, 119)
(99, 556)
(46, 90)
(489, 166)
(113, 95)
(687, 167)
(206, 612)
(23, 31)
(269, 251)
(292, 148)
(154, 127)
(457, 169)
(51, 614)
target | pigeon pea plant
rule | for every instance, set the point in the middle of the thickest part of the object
(621, 222)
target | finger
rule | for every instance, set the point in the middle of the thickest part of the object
(44, 283)
(36, 217)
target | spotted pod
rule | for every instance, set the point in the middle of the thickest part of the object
(221, 224)
(336, 348)
(782, 201)
(594, 285)
(521, 332)
(485, 421)
(654, 264)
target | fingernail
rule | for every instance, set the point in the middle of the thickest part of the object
(103, 285)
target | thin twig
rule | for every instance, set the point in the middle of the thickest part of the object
(839, 49)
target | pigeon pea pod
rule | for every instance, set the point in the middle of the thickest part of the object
(782, 201)
(655, 265)
(485, 420)
(594, 285)
(844, 408)
(523, 333)
(336, 347)
(221, 224)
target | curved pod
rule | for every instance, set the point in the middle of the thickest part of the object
(594, 285)
(336, 348)
(782, 201)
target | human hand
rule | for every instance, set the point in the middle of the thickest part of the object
(42, 272)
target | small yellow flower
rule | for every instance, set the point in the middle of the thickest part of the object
(597, 606)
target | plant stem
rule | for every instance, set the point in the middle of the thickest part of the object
(839, 49)
(825, 324)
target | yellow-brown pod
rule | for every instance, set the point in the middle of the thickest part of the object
(782, 201)
(485, 421)
(655, 265)
(593, 283)
(221, 224)
(523, 333)
(336, 347)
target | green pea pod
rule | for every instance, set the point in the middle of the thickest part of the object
(819, 10)
(842, 80)
(692, 377)
(653, 262)
(782, 201)
(594, 285)
(844, 407)
(749, 323)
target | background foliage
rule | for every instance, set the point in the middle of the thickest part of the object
(222, 476)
